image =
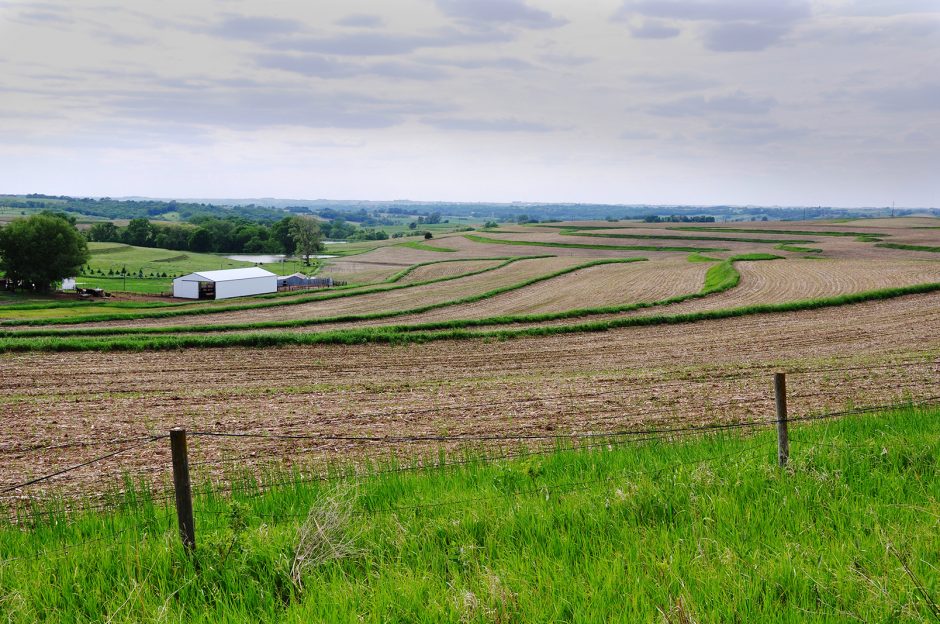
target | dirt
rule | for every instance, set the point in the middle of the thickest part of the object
(717, 371)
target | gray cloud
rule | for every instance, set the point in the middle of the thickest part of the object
(500, 12)
(907, 99)
(44, 17)
(744, 36)
(486, 125)
(571, 60)
(733, 104)
(638, 135)
(879, 8)
(728, 25)
(326, 67)
(254, 27)
(360, 20)
(262, 108)
(654, 29)
(751, 133)
(675, 82)
(387, 44)
(483, 63)
(718, 10)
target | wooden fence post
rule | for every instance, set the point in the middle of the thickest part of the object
(181, 485)
(783, 436)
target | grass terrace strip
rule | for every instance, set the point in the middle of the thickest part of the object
(401, 274)
(553, 536)
(729, 239)
(249, 306)
(907, 247)
(697, 257)
(866, 237)
(348, 318)
(798, 249)
(425, 247)
(500, 241)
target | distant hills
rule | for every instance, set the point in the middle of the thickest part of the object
(271, 209)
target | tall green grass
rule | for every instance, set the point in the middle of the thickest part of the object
(705, 529)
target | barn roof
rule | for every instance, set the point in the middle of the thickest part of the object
(228, 275)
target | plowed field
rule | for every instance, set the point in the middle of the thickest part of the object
(447, 269)
(691, 373)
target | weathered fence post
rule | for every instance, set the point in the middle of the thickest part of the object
(184, 495)
(783, 436)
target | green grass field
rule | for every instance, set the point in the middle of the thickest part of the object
(703, 529)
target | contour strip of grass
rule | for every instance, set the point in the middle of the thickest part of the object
(909, 247)
(730, 239)
(251, 306)
(861, 236)
(346, 318)
(798, 249)
(500, 241)
(425, 247)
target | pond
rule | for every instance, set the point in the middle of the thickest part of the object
(269, 258)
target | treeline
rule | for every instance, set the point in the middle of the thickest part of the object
(680, 219)
(144, 208)
(223, 235)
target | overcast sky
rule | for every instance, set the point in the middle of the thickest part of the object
(833, 102)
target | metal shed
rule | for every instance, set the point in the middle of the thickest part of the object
(225, 283)
(299, 280)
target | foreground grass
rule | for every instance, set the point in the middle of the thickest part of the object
(705, 530)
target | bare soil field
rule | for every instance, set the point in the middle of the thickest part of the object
(795, 279)
(447, 269)
(604, 285)
(714, 371)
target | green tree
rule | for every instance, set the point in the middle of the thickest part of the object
(306, 234)
(42, 249)
(138, 232)
(104, 233)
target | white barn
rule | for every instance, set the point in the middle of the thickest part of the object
(225, 283)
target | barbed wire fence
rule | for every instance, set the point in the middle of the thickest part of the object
(468, 448)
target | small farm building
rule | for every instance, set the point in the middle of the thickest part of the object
(299, 280)
(225, 283)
